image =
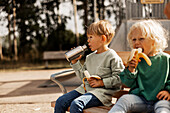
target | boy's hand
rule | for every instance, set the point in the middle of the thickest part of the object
(75, 60)
(132, 64)
(95, 82)
(164, 95)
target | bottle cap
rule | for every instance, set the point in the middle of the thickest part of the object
(84, 47)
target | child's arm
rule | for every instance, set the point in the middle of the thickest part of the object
(128, 76)
(164, 95)
(113, 80)
(78, 67)
(75, 60)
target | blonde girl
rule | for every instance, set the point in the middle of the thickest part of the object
(149, 85)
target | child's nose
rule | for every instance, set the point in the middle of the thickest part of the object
(137, 42)
(88, 40)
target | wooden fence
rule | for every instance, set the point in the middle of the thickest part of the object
(136, 10)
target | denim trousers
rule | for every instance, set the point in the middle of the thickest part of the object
(130, 103)
(76, 101)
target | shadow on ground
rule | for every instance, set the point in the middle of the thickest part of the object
(30, 87)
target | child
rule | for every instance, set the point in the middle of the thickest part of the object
(149, 85)
(103, 62)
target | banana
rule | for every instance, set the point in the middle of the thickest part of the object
(138, 54)
(86, 73)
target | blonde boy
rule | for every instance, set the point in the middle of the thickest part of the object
(103, 62)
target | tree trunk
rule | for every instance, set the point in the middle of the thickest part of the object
(103, 9)
(95, 11)
(1, 55)
(15, 40)
(86, 13)
(9, 36)
(75, 20)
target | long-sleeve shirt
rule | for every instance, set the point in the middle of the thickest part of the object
(148, 81)
(108, 66)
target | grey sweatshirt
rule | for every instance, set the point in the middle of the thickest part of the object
(107, 65)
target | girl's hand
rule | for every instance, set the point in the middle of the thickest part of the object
(132, 64)
(95, 82)
(75, 60)
(164, 95)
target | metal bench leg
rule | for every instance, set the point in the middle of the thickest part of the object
(63, 89)
(53, 78)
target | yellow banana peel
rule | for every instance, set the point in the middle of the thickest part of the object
(138, 54)
(86, 73)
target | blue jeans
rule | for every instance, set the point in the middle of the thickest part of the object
(133, 103)
(76, 101)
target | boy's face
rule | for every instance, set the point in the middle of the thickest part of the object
(140, 41)
(95, 42)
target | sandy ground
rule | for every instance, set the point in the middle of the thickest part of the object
(20, 91)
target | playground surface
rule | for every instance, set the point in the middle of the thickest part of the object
(21, 91)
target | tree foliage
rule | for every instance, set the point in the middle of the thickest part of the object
(42, 28)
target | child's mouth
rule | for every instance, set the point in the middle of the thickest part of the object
(141, 48)
(89, 46)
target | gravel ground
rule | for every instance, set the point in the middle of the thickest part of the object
(26, 108)
(20, 91)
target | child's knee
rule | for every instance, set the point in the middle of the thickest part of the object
(60, 101)
(76, 103)
(124, 101)
(61, 105)
(76, 106)
(128, 100)
(125, 98)
(162, 106)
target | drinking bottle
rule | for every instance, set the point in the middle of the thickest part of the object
(76, 52)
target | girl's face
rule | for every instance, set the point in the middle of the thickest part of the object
(140, 41)
(95, 43)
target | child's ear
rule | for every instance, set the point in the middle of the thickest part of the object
(104, 38)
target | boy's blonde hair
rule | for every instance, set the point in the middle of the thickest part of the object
(102, 27)
(151, 29)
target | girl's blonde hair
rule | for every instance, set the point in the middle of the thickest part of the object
(102, 27)
(151, 29)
